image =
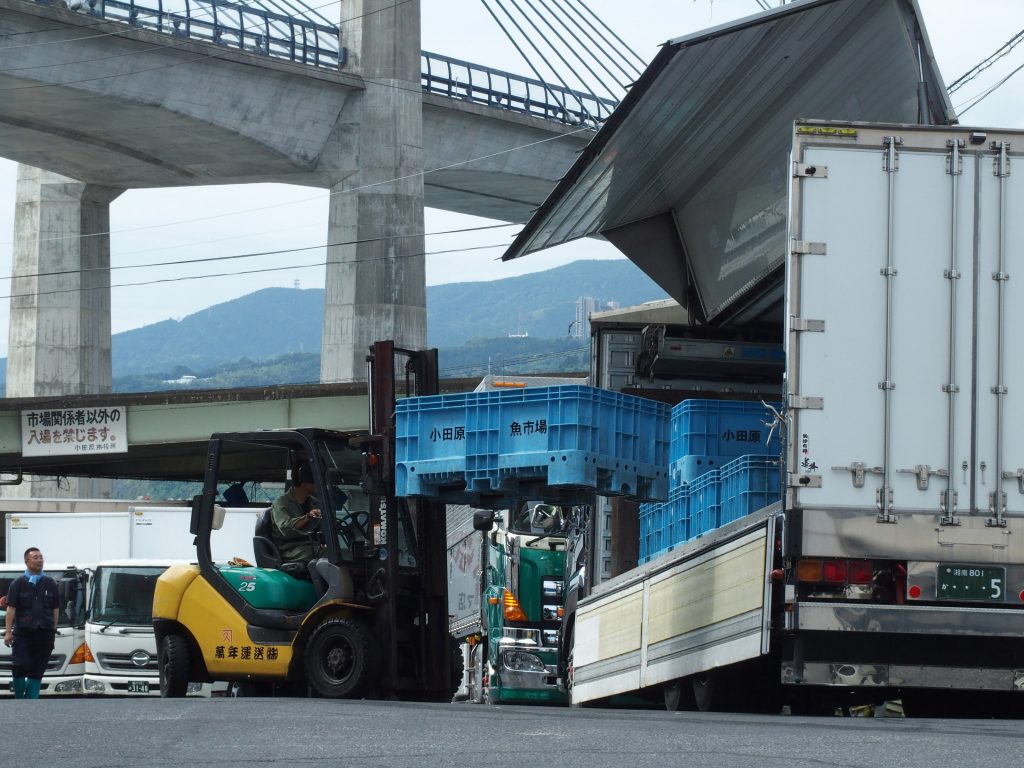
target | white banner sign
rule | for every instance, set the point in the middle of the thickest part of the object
(74, 431)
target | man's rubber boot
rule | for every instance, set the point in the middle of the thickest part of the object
(19, 685)
(32, 688)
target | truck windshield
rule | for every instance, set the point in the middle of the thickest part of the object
(123, 595)
(5, 585)
(540, 519)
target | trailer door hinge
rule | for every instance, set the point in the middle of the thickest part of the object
(1001, 164)
(858, 469)
(806, 324)
(808, 170)
(922, 472)
(807, 248)
(890, 157)
(1009, 474)
(883, 500)
(948, 503)
(806, 403)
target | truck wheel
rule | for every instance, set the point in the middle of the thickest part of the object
(679, 695)
(341, 659)
(172, 659)
(710, 692)
(458, 667)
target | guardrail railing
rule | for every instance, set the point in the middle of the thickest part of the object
(230, 24)
(472, 82)
(282, 36)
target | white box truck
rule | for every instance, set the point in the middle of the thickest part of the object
(893, 567)
(122, 657)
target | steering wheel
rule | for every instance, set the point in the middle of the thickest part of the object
(544, 516)
(351, 523)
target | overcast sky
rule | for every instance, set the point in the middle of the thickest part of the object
(178, 224)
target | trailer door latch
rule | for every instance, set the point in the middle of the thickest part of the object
(923, 471)
(858, 469)
(1009, 474)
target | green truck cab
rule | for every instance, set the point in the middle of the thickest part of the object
(523, 563)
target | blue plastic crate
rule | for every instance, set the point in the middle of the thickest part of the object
(678, 514)
(689, 468)
(654, 531)
(543, 442)
(705, 503)
(722, 428)
(749, 483)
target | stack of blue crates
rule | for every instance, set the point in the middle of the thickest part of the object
(723, 464)
(560, 444)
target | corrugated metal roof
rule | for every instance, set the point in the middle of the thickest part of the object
(689, 177)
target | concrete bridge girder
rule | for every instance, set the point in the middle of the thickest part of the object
(109, 106)
(195, 114)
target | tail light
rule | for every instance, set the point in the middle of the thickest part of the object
(513, 611)
(812, 570)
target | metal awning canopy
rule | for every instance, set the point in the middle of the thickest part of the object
(689, 176)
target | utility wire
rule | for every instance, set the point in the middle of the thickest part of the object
(351, 190)
(981, 66)
(251, 255)
(985, 94)
(183, 278)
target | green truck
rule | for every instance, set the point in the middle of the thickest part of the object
(506, 601)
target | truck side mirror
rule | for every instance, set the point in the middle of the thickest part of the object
(483, 520)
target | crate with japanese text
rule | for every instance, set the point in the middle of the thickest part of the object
(722, 428)
(554, 443)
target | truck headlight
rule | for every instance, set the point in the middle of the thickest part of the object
(95, 686)
(521, 661)
(194, 688)
(68, 686)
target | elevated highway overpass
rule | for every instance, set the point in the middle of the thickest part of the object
(93, 107)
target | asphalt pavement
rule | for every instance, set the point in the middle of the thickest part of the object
(225, 732)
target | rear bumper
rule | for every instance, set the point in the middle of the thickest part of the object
(907, 619)
(860, 675)
(904, 646)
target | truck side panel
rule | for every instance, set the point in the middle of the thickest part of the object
(695, 609)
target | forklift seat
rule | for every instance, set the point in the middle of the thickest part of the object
(266, 551)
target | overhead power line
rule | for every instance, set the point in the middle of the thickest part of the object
(182, 278)
(251, 255)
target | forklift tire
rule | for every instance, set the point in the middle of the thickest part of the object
(341, 659)
(173, 661)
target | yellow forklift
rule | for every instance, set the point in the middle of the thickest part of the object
(367, 618)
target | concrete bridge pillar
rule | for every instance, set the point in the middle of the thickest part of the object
(376, 285)
(59, 342)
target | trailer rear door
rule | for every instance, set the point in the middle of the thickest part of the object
(904, 391)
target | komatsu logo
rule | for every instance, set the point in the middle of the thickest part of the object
(382, 529)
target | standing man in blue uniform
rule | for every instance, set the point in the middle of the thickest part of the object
(33, 606)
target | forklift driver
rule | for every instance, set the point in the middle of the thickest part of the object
(296, 517)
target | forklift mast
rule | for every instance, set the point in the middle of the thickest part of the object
(410, 599)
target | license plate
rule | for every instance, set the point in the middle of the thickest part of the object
(138, 686)
(958, 581)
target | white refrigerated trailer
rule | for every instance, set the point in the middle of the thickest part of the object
(894, 565)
